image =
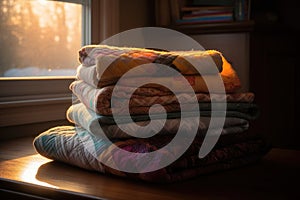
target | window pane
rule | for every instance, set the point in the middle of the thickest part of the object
(39, 38)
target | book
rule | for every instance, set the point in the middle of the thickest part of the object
(193, 16)
(213, 2)
(205, 19)
(205, 8)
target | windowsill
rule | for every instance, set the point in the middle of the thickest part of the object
(38, 100)
(27, 86)
(36, 78)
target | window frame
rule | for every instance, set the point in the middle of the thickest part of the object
(29, 105)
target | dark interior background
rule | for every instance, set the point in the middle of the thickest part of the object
(274, 43)
(274, 70)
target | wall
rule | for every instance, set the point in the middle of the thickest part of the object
(235, 47)
(136, 13)
(274, 70)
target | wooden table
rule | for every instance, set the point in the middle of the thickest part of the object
(25, 174)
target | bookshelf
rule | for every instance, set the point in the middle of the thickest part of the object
(209, 28)
(205, 16)
(231, 35)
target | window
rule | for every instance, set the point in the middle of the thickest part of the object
(29, 105)
(42, 37)
(32, 104)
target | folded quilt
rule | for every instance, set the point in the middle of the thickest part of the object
(99, 100)
(90, 121)
(88, 75)
(198, 82)
(80, 148)
(82, 89)
(122, 59)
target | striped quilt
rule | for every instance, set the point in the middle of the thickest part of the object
(76, 146)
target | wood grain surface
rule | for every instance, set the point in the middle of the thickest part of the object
(24, 171)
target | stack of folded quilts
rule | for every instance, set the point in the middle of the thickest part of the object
(102, 130)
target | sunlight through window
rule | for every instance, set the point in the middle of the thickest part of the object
(39, 37)
(30, 171)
